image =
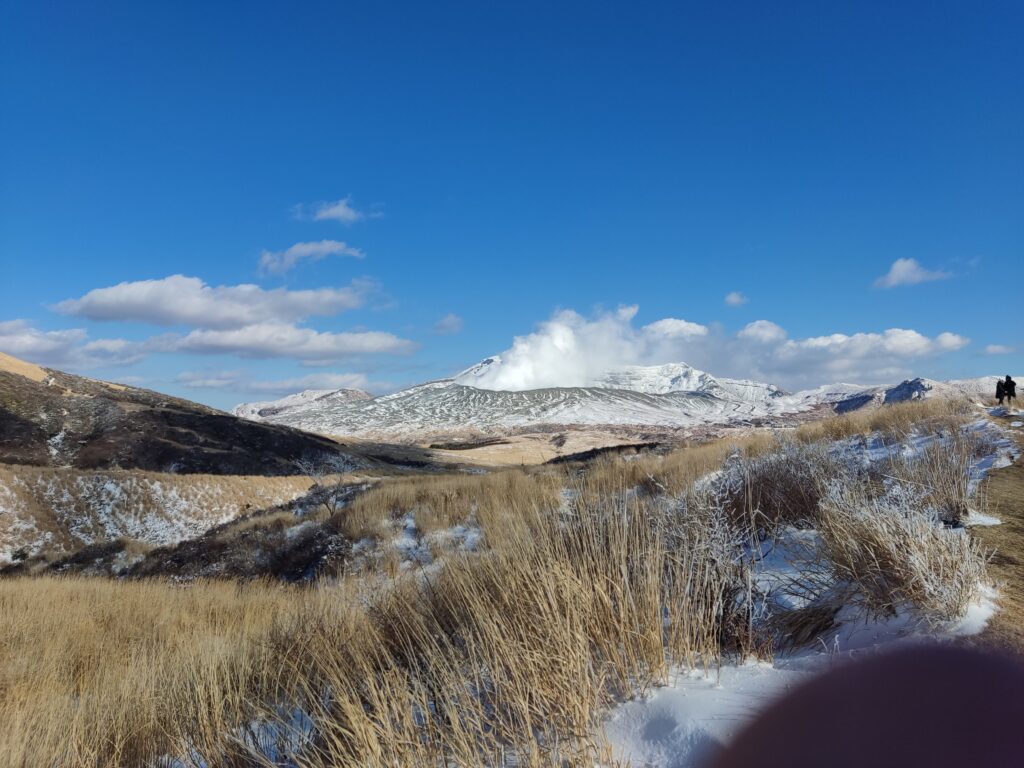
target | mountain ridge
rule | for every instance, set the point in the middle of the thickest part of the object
(50, 418)
(672, 397)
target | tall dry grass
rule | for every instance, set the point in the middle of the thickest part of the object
(674, 472)
(593, 584)
(942, 474)
(511, 652)
(442, 501)
(893, 421)
(892, 555)
(98, 673)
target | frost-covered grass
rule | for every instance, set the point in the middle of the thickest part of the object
(59, 511)
(520, 614)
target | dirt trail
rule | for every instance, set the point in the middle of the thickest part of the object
(1005, 489)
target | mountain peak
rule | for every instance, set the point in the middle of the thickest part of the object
(471, 374)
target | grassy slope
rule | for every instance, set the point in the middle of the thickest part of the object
(562, 614)
(1006, 495)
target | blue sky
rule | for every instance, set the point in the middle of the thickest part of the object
(510, 169)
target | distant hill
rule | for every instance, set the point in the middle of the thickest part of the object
(666, 398)
(51, 418)
(263, 410)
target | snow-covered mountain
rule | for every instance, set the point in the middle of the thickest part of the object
(264, 410)
(673, 396)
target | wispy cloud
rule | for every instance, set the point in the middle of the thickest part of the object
(337, 210)
(69, 348)
(241, 320)
(181, 300)
(449, 324)
(73, 349)
(735, 299)
(240, 381)
(279, 262)
(999, 349)
(282, 340)
(909, 272)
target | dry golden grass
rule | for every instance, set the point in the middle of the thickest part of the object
(442, 501)
(20, 367)
(672, 472)
(512, 652)
(96, 673)
(894, 421)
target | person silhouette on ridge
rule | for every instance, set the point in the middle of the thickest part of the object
(1000, 392)
(1009, 390)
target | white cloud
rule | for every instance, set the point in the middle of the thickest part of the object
(239, 381)
(181, 300)
(999, 349)
(764, 331)
(279, 262)
(20, 339)
(869, 357)
(210, 379)
(450, 323)
(282, 340)
(338, 210)
(951, 341)
(735, 299)
(68, 348)
(672, 328)
(908, 272)
(571, 350)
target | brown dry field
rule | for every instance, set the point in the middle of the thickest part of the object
(1005, 489)
(533, 449)
(20, 367)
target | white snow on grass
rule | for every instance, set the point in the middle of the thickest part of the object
(977, 519)
(62, 510)
(417, 551)
(687, 723)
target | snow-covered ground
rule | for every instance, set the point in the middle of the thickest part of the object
(62, 510)
(686, 723)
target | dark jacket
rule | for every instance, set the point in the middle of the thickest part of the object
(1010, 388)
(999, 390)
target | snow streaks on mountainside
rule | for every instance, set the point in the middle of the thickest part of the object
(269, 408)
(673, 396)
(61, 510)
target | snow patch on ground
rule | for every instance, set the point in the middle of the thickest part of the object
(63, 510)
(687, 723)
